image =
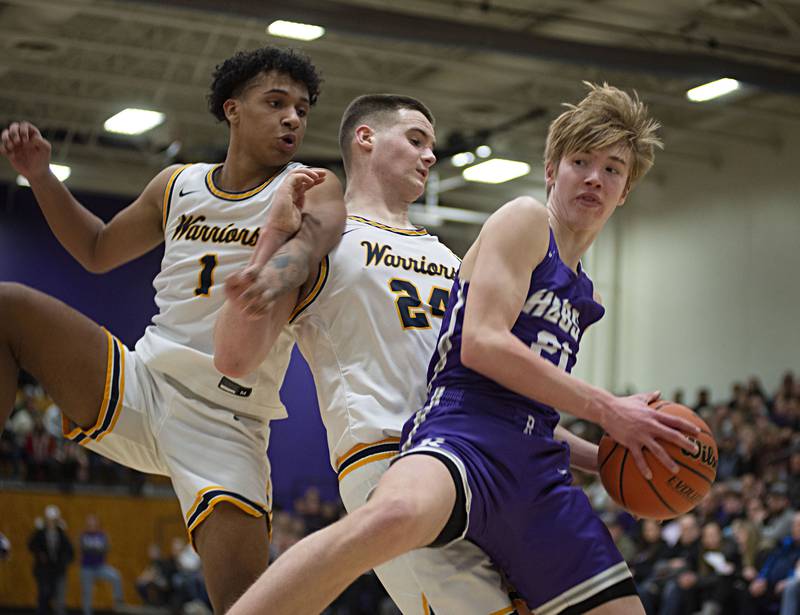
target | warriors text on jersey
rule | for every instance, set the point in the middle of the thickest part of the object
(559, 308)
(368, 329)
(209, 233)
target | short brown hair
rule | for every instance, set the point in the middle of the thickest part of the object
(607, 116)
(375, 108)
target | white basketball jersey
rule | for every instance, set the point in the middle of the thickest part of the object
(369, 327)
(209, 234)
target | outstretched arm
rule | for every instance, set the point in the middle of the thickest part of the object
(261, 297)
(96, 245)
(511, 244)
(582, 453)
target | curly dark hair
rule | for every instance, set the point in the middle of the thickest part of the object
(231, 77)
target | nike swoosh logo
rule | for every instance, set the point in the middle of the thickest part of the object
(182, 193)
(349, 231)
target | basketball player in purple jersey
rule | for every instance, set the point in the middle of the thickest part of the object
(479, 460)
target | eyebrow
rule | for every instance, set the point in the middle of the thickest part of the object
(285, 93)
(620, 160)
(426, 134)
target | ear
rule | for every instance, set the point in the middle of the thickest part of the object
(549, 175)
(365, 137)
(231, 109)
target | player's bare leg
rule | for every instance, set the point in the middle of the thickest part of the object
(234, 549)
(399, 517)
(60, 347)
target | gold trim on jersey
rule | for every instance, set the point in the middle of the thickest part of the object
(165, 207)
(400, 231)
(362, 454)
(319, 284)
(208, 498)
(111, 405)
(237, 196)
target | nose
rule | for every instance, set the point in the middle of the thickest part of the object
(291, 120)
(593, 178)
(428, 157)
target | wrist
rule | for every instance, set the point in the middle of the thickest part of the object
(599, 407)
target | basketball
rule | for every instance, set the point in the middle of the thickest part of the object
(667, 495)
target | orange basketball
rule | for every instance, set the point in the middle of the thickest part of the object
(665, 496)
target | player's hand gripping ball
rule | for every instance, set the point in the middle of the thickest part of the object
(667, 495)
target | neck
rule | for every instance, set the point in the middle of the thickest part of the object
(572, 244)
(367, 197)
(241, 171)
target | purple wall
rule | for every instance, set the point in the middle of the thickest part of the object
(122, 301)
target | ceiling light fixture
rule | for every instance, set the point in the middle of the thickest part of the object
(133, 121)
(496, 171)
(297, 31)
(713, 89)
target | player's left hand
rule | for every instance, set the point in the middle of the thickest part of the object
(285, 213)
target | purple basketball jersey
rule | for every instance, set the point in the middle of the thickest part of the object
(559, 308)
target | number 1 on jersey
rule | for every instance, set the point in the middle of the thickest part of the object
(206, 277)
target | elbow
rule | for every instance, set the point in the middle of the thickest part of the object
(472, 353)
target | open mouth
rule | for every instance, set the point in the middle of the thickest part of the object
(289, 139)
(589, 199)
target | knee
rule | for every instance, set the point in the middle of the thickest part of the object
(397, 520)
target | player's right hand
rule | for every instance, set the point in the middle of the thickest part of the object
(634, 424)
(26, 149)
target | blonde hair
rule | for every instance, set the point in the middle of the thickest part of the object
(607, 116)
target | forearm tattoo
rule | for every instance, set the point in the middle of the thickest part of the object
(287, 269)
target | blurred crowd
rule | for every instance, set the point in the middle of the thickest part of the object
(33, 449)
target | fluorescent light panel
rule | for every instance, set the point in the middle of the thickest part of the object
(133, 121)
(61, 171)
(496, 171)
(297, 31)
(713, 89)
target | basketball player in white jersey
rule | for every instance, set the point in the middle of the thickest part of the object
(367, 324)
(164, 409)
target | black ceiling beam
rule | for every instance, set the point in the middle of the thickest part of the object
(387, 24)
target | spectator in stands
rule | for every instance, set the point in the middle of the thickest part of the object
(790, 597)
(40, 449)
(667, 591)
(187, 582)
(793, 476)
(94, 547)
(719, 569)
(52, 553)
(766, 589)
(154, 584)
(650, 548)
(778, 523)
(748, 540)
(703, 404)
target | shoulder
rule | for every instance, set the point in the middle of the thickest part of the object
(522, 225)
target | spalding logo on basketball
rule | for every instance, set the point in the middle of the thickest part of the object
(665, 496)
